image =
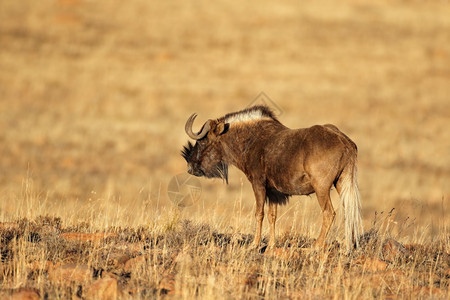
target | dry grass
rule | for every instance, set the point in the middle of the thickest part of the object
(187, 259)
(93, 100)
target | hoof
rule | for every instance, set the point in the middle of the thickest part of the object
(258, 247)
(255, 246)
(262, 249)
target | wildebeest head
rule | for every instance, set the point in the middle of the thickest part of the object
(205, 158)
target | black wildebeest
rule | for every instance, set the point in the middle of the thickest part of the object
(280, 162)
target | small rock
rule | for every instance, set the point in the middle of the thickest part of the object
(25, 294)
(117, 259)
(371, 264)
(87, 237)
(413, 247)
(134, 263)
(69, 273)
(167, 285)
(392, 250)
(105, 288)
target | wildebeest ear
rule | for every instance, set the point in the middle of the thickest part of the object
(221, 128)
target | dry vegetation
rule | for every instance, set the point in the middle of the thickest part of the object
(93, 100)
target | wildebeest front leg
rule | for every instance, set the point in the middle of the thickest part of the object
(260, 196)
(272, 220)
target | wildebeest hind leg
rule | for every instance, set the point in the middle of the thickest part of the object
(272, 220)
(328, 215)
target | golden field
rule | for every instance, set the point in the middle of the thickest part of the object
(94, 96)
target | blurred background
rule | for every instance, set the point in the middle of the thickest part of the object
(94, 96)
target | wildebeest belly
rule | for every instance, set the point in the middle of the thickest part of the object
(291, 185)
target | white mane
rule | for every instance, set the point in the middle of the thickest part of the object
(246, 116)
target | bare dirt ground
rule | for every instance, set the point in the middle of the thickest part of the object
(93, 100)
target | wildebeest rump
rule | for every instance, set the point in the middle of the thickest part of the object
(280, 162)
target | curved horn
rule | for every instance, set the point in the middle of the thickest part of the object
(190, 133)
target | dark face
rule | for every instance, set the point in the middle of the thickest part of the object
(205, 159)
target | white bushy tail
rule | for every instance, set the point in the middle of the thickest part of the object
(351, 201)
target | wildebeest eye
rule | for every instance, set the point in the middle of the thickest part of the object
(187, 151)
